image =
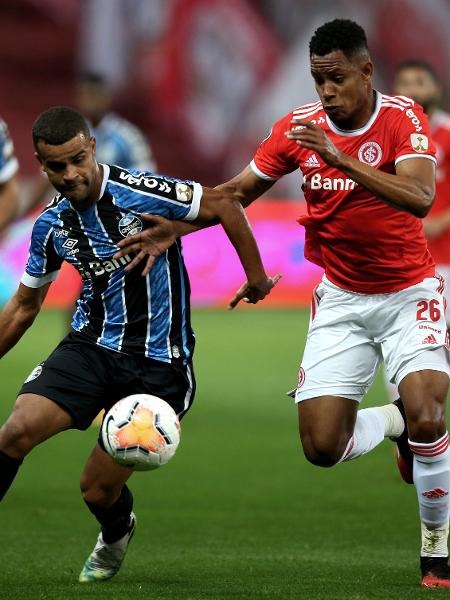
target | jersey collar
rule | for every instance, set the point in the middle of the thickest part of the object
(366, 127)
(105, 179)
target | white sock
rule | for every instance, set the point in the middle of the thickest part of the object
(369, 432)
(432, 481)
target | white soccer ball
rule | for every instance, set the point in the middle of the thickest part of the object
(141, 432)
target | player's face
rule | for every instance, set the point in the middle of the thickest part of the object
(418, 84)
(93, 101)
(72, 169)
(344, 88)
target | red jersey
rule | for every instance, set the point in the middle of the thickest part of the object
(364, 244)
(440, 130)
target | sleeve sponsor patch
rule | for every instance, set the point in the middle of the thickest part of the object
(419, 142)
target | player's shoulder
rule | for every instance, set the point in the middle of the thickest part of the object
(312, 112)
(51, 212)
(397, 103)
(134, 181)
(307, 111)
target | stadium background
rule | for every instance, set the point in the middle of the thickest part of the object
(239, 513)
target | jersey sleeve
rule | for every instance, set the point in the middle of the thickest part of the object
(275, 157)
(176, 199)
(43, 263)
(413, 136)
(9, 164)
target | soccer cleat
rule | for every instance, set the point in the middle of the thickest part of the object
(435, 572)
(405, 458)
(106, 559)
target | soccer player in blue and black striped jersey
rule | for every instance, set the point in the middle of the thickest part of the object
(130, 334)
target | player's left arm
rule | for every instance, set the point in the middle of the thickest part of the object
(217, 206)
(411, 188)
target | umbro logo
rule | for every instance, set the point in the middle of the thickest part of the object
(430, 339)
(312, 162)
(70, 243)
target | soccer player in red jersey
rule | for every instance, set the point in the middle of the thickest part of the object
(368, 165)
(418, 80)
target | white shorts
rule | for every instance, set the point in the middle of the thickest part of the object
(350, 334)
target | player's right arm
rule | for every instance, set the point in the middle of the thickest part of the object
(19, 313)
(41, 269)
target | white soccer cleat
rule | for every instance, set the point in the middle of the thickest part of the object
(106, 559)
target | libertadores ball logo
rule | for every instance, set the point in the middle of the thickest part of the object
(129, 225)
(370, 153)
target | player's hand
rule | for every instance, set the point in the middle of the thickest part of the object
(254, 292)
(149, 243)
(308, 135)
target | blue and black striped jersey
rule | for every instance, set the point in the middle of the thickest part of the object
(122, 311)
(8, 161)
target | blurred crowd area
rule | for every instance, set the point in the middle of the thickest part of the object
(203, 79)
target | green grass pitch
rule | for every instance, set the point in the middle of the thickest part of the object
(239, 513)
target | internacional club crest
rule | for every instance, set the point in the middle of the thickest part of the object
(370, 153)
(129, 225)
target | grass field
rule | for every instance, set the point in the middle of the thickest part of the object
(239, 513)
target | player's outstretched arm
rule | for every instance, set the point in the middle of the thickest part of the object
(411, 189)
(19, 313)
(161, 233)
(223, 207)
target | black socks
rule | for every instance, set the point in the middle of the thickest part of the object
(8, 470)
(115, 520)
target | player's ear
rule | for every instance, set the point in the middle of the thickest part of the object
(367, 70)
(93, 143)
(39, 159)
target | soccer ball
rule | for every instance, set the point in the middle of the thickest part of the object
(141, 432)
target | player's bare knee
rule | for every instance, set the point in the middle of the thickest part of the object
(97, 493)
(426, 428)
(322, 452)
(15, 438)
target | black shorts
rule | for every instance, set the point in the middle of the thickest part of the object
(84, 378)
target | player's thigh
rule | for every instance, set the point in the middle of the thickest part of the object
(340, 358)
(74, 376)
(102, 478)
(33, 420)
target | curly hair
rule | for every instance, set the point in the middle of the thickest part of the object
(58, 125)
(340, 34)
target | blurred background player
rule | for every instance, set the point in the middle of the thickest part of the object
(119, 142)
(9, 185)
(418, 80)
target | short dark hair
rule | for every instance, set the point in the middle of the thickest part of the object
(418, 63)
(340, 34)
(58, 125)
